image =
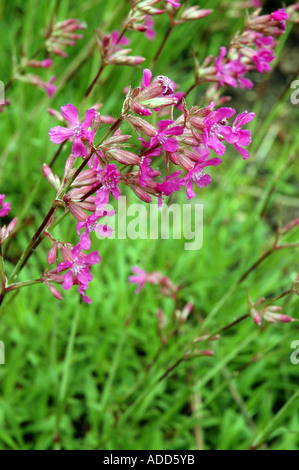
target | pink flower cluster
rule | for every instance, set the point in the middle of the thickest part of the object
(269, 313)
(63, 34)
(251, 50)
(59, 36)
(185, 142)
(140, 17)
(168, 327)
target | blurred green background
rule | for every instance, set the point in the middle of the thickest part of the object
(87, 377)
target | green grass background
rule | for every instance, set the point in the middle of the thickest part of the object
(78, 376)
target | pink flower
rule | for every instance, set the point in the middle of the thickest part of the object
(171, 184)
(237, 136)
(262, 59)
(110, 186)
(215, 122)
(168, 86)
(115, 43)
(169, 144)
(6, 206)
(91, 225)
(197, 175)
(229, 71)
(78, 265)
(279, 15)
(50, 88)
(154, 278)
(145, 172)
(37, 81)
(78, 131)
(139, 278)
(150, 33)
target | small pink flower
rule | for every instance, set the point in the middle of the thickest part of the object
(168, 86)
(150, 33)
(197, 175)
(237, 136)
(91, 225)
(110, 186)
(6, 206)
(50, 88)
(262, 60)
(229, 71)
(279, 15)
(78, 265)
(37, 81)
(139, 278)
(171, 184)
(78, 131)
(215, 122)
(115, 43)
(154, 278)
(145, 172)
(169, 144)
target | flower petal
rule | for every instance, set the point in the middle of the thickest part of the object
(70, 114)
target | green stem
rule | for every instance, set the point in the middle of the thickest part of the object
(20, 285)
(2, 272)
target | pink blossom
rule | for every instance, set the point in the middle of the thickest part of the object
(154, 278)
(109, 186)
(171, 184)
(139, 278)
(169, 144)
(37, 81)
(145, 172)
(91, 225)
(279, 15)
(229, 71)
(78, 131)
(50, 88)
(115, 42)
(215, 122)
(6, 206)
(197, 175)
(150, 33)
(168, 86)
(237, 136)
(262, 60)
(78, 265)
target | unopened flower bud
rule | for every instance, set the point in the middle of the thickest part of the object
(50, 177)
(52, 255)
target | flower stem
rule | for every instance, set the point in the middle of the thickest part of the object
(90, 88)
(33, 243)
(2, 272)
(153, 63)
